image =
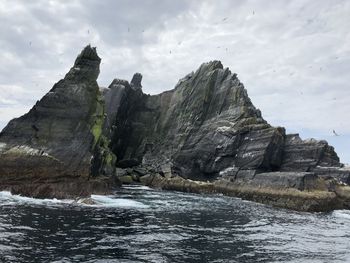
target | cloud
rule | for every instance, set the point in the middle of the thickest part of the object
(292, 56)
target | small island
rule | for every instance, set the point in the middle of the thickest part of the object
(204, 136)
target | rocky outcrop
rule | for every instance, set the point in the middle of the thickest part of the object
(276, 194)
(205, 125)
(57, 149)
(205, 135)
(207, 129)
(306, 155)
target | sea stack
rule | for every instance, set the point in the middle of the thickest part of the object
(57, 149)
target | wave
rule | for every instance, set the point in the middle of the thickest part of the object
(136, 187)
(6, 198)
(110, 201)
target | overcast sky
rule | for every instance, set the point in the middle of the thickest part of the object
(292, 56)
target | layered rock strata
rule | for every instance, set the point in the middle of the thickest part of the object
(207, 129)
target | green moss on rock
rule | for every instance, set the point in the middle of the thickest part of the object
(103, 160)
(97, 120)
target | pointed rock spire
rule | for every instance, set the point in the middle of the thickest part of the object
(60, 137)
(86, 65)
(136, 81)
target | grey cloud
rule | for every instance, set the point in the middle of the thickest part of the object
(124, 22)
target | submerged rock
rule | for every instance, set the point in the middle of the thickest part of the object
(57, 148)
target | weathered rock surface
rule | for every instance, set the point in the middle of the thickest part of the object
(306, 155)
(204, 126)
(57, 148)
(207, 129)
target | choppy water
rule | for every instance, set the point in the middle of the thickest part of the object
(139, 224)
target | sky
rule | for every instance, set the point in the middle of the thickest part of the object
(292, 56)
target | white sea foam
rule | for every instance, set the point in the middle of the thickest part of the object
(342, 214)
(136, 187)
(6, 198)
(109, 201)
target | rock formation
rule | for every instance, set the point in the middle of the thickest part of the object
(207, 129)
(205, 135)
(57, 148)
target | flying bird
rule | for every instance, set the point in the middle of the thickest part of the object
(336, 134)
(224, 19)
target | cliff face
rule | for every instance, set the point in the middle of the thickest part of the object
(58, 142)
(205, 128)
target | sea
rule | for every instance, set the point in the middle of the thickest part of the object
(140, 224)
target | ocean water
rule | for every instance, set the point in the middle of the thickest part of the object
(139, 224)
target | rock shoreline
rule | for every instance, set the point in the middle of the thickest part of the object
(321, 195)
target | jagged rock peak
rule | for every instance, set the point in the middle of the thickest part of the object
(117, 82)
(215, 66)
(88, 53)
(86, 65)
(136, 80)
(211, 65)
